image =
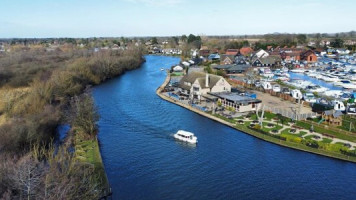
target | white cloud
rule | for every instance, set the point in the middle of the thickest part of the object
(157, 2)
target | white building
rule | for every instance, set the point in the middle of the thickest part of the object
(197, 84)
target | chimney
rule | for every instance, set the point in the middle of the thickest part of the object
(207, 80)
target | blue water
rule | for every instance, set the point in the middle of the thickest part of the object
(143, 161)
(313, 80)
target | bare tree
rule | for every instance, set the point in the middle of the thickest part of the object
(28, 177)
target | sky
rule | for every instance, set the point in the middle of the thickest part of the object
(116, 18)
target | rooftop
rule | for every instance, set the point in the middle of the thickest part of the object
(235, 97)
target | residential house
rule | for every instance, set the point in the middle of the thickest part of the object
(236, 101)
(197, 84)
(270, 61)
(233, 69)
(227, 59)
(261, 54)
(232, 52)
(241, 60)
(332, 117)
(309, 56)
(171, 51)
(287, 54)
(245, 51)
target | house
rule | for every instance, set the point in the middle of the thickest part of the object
(232, 52)
(261, 54)
(233, 69)
(241, 60)
(332, 117)
(227, 59)
(204, 52)
(197, 84)
(270, 61)
(214, 56)
(236, 101)
(290, 56)
(245, 51)
(309, 56)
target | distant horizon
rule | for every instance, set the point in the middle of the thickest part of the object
(163, 36)
(164, 18)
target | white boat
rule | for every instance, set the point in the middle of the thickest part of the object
(312, 74)
(162, 69)
(298, 70)
(186, 136)
(333, 93)
(299, 83)
(282, 78)
(330, 78)
(346, 84)
(316, 88)
(319, 76)
(267, 74)
(351, 77)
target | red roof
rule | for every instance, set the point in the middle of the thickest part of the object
(232, 52)
(246, 50)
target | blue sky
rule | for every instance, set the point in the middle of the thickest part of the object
(116, 18)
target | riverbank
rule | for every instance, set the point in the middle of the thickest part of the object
(252, 132)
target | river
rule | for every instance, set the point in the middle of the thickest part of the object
(143, 161)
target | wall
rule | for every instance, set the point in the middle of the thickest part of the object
(220, 85)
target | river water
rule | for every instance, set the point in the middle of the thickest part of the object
(143, 161)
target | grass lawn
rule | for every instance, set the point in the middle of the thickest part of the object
(309, 137)
(224, 118)
(327, 140)
(87, 151)
(327, 131)
(301, 133)
(267, 129)
(177, 74)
